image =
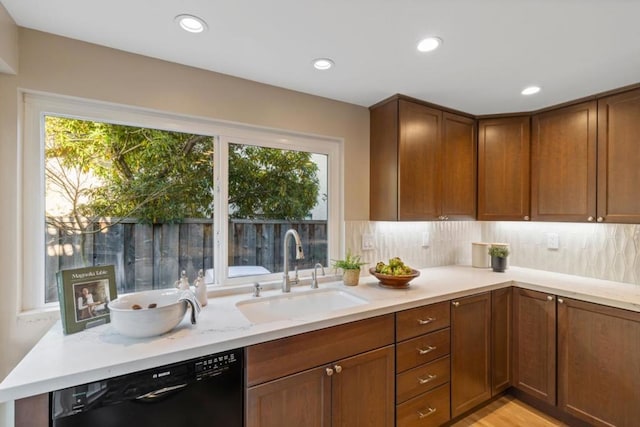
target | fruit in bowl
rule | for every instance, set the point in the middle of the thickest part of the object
(396, 274)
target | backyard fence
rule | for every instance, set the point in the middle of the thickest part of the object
(151, 256)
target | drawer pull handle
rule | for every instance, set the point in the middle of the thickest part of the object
(425, 414)
(426, 321)
(429, 349)
(428, 378)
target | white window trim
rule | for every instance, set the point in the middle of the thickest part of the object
(31, 176)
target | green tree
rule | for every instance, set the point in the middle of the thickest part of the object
(109, 170)
(270, 183)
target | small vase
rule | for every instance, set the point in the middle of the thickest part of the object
(351, 277)
(498, 264)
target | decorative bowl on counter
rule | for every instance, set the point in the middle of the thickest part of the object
(395, 282)
(148, 313)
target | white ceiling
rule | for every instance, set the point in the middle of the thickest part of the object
(492, 48)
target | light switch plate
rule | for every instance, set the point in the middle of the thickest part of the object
(368, 242)
(426, 239)
(553, 241)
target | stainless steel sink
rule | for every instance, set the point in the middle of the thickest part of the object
(298, 304)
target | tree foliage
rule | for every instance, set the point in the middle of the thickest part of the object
(271, 183)
(110, 170)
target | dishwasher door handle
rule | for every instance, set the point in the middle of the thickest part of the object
(152, 395)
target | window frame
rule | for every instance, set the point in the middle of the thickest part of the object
(31, 185)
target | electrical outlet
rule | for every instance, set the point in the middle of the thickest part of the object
(426, 239)
(368, 243)
(553, 241)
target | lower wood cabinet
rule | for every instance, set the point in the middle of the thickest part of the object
(599, 363)
(348, 381)
(423, 365)
(534, 344)
(430, 409)
(501, 338)
(470, 352)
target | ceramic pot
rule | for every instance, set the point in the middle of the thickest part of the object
(498, 264)
(351, 277)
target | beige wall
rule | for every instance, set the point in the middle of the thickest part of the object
(8, 43)
(63, 66)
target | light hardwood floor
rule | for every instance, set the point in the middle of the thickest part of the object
(508, 412)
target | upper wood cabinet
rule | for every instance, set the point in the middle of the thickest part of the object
(423, 163)
(619, 158)
(503, 169)
(563, 164)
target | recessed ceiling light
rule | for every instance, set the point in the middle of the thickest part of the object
(429, 44)
(322, 63)
(191, 23)
(530, 90)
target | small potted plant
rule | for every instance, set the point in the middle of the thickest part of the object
(499, 256)
(350, 266)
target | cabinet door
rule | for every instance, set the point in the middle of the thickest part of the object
(598, 363)
(501, 334)
(503, 169)
(383, 174)
(419, 162)
(619, 158)
(459, 159)
(364, 390)
(534, 357)
(563, 167)
(296, 400)
(470, 352)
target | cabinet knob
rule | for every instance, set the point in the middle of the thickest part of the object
(446, 218)
(455, 303)
(600, 219)
(338, 368)
(549, 297)
(590, 219)
(441, 217)
(329, 371)
(560, 301)
(526, 218)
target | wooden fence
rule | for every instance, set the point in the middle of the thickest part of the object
(151, 256)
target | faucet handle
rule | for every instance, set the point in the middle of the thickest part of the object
(256, 290)
(295, 277)
(314, 280)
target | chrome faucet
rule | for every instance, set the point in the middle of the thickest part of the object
(314, 275)
(286, 282)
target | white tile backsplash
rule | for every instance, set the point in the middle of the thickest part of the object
(602, 251)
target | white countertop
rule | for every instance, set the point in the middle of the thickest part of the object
(58, 361)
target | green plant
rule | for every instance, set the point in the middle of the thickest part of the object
(350, 262)
(499, 251)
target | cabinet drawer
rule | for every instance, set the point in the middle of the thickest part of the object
(426, 348)
(428, 409)
(422, 379)
(285, 356)
(422, 320)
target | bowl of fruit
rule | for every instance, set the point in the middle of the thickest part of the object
(395, 275)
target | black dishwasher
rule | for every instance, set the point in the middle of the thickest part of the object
(207, 391)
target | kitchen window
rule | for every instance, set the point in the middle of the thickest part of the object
(156, 194)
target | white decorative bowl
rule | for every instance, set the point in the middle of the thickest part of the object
(147, 322)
